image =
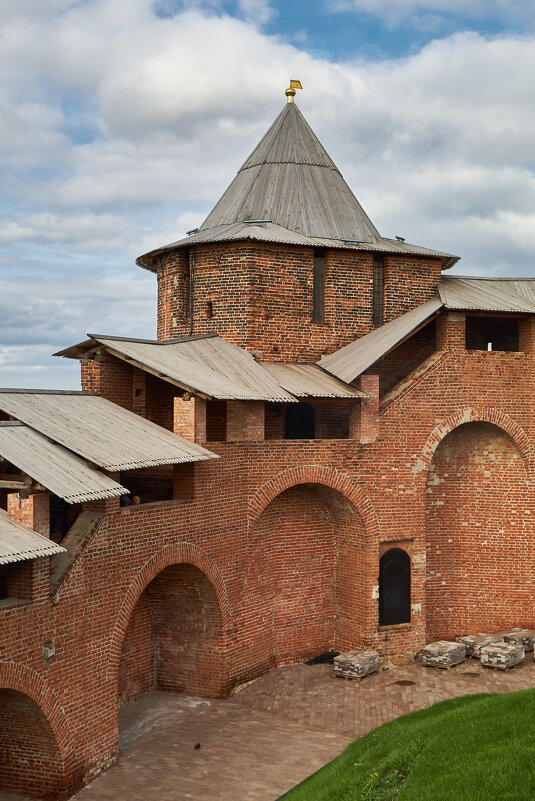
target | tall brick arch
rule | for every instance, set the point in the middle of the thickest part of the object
(180, 553)
(24, 680)
(472, 415)
(315, 474)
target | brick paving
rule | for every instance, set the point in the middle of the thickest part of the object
(262, 741)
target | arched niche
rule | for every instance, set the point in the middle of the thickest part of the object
(394, 587)
(173, 638)
(30, 760)
(479, 534)
(303, 591)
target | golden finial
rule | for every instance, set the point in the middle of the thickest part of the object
(290, 93)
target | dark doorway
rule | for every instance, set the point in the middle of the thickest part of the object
(299, 421)
(394, 587)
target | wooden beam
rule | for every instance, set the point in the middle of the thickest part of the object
(13, 484)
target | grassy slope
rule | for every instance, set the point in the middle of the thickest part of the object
(477, 748)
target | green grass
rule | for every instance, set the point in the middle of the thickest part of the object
(477, 748)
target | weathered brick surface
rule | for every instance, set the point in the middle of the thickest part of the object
(271, 553)
(261, 296)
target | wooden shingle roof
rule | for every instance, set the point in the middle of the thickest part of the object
(292, 186)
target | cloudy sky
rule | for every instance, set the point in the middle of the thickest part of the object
(122, 122)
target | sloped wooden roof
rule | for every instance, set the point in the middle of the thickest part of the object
(100, 431)
(56, 468)
(310, 381)
(276, 234)
(291, 180)
(18, 543)
(352, 360)
(488, 294)
(206, 365)
(291, 183)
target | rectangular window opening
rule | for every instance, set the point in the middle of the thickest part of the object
(492, 333)
(216, 421)
(378, 290)
(186, 289)
(318, 291)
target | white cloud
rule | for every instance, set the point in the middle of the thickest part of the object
(256, 11)
(122, 128)
(394, 11)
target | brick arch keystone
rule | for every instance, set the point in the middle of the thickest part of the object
(28, 682)
(315, 474)
(180, 553)
(472, 415)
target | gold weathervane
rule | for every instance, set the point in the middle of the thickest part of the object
(290, 93)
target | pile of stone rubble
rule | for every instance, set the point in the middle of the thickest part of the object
(501, 650)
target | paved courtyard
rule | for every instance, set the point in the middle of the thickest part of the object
(263, 740)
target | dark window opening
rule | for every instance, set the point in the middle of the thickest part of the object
(299, 421)
(318, 304)
(378, 290)
(274, 410)
(209, 309)
(61, 517)
(16, 580)
(492, 333)
(186, 290)
(3, 582)
(394, 587)
(147, 485)
(216, 421)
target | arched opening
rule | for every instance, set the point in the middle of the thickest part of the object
(173, 639)
(394, 587)
(304, 592)
(30, 760)
(479, 535)
(299, 421)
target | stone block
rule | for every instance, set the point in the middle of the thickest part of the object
(356, 664)
(443, 654)
(475, 642)
(502, 655)
(524, 637)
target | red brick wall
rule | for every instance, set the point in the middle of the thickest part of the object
(136, 669)
(245, 420)
(479, 534)
(186, 627)
(304, 587)
(171, 642)
(109, 377)
(32, 512)
(30, 761)
(261, 296)
(245, 514)
(451, 331)
(409, 282)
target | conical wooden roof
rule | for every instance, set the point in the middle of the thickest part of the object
(291, 180)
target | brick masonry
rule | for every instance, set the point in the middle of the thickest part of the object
(270, 554)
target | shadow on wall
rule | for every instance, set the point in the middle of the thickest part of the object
(174, 638)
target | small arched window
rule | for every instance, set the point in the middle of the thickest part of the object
(299, 421)
(394, 587)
